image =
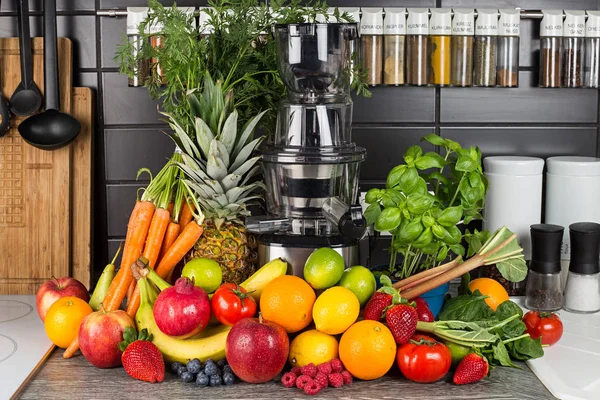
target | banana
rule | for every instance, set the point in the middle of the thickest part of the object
(210, 343)
(265, 274)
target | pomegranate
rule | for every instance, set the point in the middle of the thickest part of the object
(182, 310)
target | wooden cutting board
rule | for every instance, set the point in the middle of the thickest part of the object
(35, 185)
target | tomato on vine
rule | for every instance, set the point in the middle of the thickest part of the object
(547, 325)
(231, 303)
(423, 359)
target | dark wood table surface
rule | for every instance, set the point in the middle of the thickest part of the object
(77, 379)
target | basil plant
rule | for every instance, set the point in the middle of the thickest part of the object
(423, 201)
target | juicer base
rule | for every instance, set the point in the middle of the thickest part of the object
(297, 252)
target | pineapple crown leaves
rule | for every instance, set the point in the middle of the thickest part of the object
(131, 335)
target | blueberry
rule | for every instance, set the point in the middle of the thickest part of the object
(194, 366)
(215, 380)
(175, 366)
(227, 368)
(210, 361)
(187, 376)
(202, 379)
(228, 378)
(181, 370)
(221, 363)
(211, 369)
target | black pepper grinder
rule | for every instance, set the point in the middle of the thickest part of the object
(543, 292)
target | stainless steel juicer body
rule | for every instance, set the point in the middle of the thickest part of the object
(310, 166)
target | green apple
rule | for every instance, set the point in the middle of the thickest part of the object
(205, 272)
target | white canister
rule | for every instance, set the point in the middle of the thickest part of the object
(514, 197)
(572, 189)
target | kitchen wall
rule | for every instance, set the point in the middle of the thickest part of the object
(523, 121)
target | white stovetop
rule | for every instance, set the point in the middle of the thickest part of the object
(23, 342)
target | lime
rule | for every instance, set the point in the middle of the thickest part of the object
(458, 352)
(360, 281)
(205, 272)
(324, 268)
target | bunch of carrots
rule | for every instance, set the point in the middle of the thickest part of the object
(164, 225)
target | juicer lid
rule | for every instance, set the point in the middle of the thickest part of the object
(315, 155)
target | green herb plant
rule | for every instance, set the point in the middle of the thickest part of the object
(239, 52)
(423, 201)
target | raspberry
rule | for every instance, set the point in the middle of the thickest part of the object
(302, 381)
(336, 380)
(347, 377)
(309, 369)
(288, 379)
(324, 368)
(336, 365)
(321, 379)
(312, 388)
(296, 371)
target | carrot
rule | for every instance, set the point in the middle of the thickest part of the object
(132, 251)
(184, 242)
(186, 215)
(130, 290)
(172, 232)
(72, 349)
(170, 208)
(156, 234)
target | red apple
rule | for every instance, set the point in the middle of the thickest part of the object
(257, 350)
(99, 336)
(54, 289)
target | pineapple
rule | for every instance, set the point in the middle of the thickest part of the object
(218, 170)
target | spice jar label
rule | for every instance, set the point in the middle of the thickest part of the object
(509, 23)
(592, 25)
(463, 23)
(440, 23)
(574, 25)
(135, 16)
(417, 22)
(487, 22)
(371, 22)
(552, 23)
(394, 22)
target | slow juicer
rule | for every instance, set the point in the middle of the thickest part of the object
(311, 167)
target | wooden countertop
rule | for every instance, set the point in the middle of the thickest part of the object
(77, 379)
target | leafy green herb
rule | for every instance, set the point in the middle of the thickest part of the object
(466, 308)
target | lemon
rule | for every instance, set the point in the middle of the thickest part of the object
(324, 268)
(312, 347)
(360, 281)
(205, 272)
(335, 310)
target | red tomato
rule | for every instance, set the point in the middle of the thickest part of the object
(546, 325)
(230, 303)
(423, 359)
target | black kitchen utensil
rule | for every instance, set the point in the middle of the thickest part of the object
(26, 98)
(50, 129)
(4, 114)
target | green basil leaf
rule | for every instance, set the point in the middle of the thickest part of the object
(406, 213)
(453, 235)
(408, 180)
(411, 155)
(513, 270)
(438, 231)
(373, 196)
(434, 139)
(430, 160)
(419, 203)
(372, 213)
(438, 176)
(465, 164)
(452, 145)
(475, 180)
(393, 178)
(411, 231)
(428, 221)
(424, 239)
(443, 253)
(450, 216)
(457, 249)
(431, 249)
(420, 187)
(388, 219)
(468, 307)
(391, 198)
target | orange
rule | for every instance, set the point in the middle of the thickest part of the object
(63, 320)
(491, 288)
(368, 350)
(288, 301)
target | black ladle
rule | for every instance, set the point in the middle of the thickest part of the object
(50, 129)
(4, 113)
(26, 98)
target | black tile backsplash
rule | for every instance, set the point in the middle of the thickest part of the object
(523, 121)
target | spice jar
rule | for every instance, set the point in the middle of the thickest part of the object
(507, 61)
(371, 30)
(544, 291)
(573, 47)
(440, 31)
(461, 61)
(582, 294)
(135, 16)
(486, 32)
(551, 30)
(592, 50)
(417, 29)
(156, 41)
(394, 36)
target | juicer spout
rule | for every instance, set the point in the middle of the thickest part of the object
(349, 219)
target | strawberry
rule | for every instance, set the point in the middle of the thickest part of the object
(380, 300)
(402, 320)
(423, 311)
(141, 359)
(471, 369)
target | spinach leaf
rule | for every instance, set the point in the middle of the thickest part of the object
(501, 356)
(525, 349)
(507, 309)
(466, 308)
(514, 328)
